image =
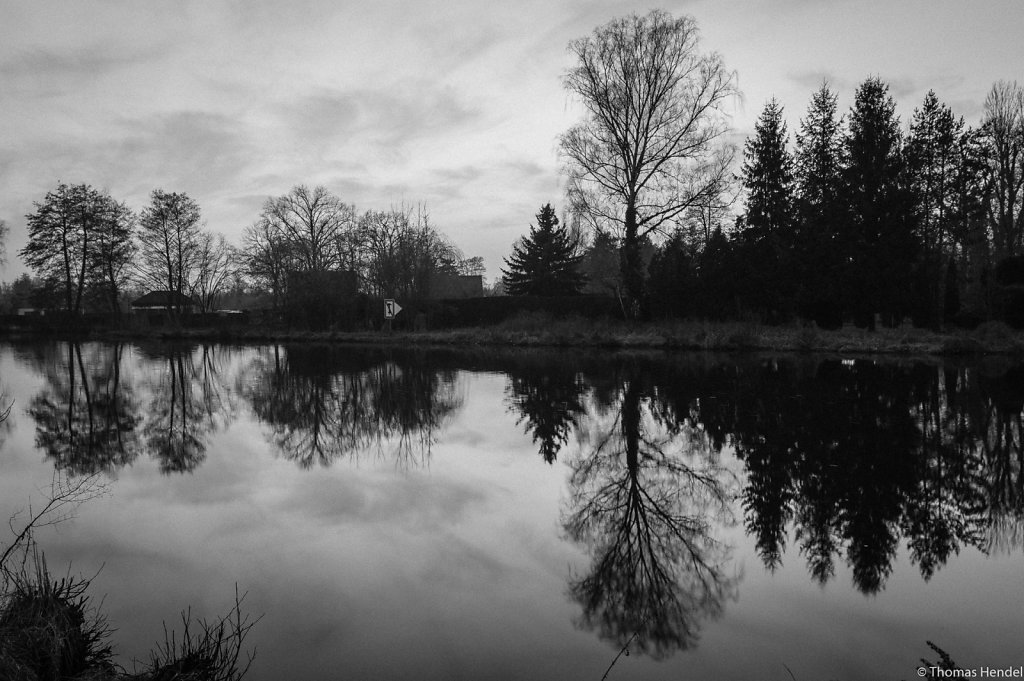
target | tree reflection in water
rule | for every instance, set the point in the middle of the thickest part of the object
(646, 498)
(548, 398)
(843, 461)
(851, 456)
(189, 399)
(86, 417)
(89, 415)
(325, 403)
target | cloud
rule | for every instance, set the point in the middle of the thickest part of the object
(384, 501)
(45, 64)
(384, 122)
(811, 81)
(191, 150)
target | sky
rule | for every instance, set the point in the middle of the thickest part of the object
(456, 105)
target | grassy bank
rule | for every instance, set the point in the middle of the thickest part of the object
(51, 630)
(541, 330)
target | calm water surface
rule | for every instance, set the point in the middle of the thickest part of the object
(524, 515)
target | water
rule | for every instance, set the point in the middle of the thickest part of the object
(523, 515)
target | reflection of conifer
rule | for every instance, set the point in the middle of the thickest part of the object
(549, 403)
(545, 263)
(900, 463)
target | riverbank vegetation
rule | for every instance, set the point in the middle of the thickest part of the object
(51, 629)
(540, 329)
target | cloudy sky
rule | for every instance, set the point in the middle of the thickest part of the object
(456, 104)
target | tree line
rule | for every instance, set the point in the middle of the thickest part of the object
(87, 250)
(860, 217)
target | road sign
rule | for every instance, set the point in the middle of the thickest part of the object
(391, 308)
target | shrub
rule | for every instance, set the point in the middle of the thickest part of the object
(48, 630)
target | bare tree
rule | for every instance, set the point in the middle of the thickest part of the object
(169, 243)
(216, 265)
(112, 252)
(266, 258)
(1003, 124)
(651, 144)
(403, 251)
(311, 222)
(4, 231)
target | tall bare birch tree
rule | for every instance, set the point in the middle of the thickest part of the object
(651, 145)
(1003, 124)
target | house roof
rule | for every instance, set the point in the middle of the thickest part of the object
(163, 299)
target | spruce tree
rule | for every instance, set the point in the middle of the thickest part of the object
(818, 157)
(932, 159)
(544, 263)
(765, 248)
(879, 239)
(816, 171)
(768, 176)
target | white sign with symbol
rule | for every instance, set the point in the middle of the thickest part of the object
(391, 308)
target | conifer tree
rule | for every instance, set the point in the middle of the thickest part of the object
(879, 242)
(932, 159)
(816, 168)
(768, 175)
(765, 249)
(544, 263)
(818, 157)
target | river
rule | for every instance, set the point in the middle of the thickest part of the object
(514, 514)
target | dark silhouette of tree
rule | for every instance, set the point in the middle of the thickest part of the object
(169, 243)
(1003, 125)
(549, 402)
(87, 420)
(600, 264)
(951, 291)
(546, 262)
(189, 400)
(267, 257)
(644, 504)
(4, 232)
(878, 238)
(816, 170)
(933, 157)
(847, 460)
(768, 177)
(767, 236)
(324, 404)
(716, 268)
(672, 279)
(313, 223)
(649, 148)
(71, 237)
(217, 263)
(112, 252)
(971, 191)
(402, 253)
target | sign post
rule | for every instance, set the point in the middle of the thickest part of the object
(391, 308)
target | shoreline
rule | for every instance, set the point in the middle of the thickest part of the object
(541, 331)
